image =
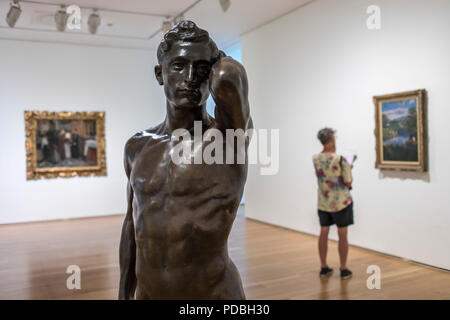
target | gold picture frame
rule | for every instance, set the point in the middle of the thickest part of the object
(65, 144)
(400, 131)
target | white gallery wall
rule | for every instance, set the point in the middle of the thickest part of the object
(60, 77)
(320, 66)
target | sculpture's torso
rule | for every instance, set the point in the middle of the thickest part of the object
(182, 218)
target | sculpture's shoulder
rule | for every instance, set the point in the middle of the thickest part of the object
(135, 144)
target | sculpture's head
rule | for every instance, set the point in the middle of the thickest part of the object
(185, 57)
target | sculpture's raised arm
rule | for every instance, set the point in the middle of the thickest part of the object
(229, 89)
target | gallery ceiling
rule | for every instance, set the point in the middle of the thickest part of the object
(137, 23)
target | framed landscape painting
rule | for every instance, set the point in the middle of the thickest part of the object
(400, 131)
(65, 144)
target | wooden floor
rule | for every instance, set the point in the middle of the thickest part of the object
(275, 263)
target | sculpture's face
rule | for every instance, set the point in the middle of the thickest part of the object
(184, 73)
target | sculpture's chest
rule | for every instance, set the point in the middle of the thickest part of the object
(156, 172)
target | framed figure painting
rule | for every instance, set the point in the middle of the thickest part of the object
(65, 144)
(400, 131)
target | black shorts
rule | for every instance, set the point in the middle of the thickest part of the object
(341, 218)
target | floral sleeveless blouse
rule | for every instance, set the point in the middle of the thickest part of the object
(332, 172)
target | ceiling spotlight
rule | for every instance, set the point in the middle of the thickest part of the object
(61, 17)
(94, 22)
(13, 13)
(225, 4)
(166, 26)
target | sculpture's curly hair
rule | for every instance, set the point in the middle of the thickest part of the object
(187, 31)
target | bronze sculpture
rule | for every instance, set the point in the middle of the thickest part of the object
(174, 237)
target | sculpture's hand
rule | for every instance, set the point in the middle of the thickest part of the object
(229, 88)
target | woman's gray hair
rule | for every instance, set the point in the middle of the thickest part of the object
(325, 135)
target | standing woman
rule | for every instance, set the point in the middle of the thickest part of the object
(335, 204)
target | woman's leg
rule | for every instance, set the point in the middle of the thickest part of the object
(323, 245)
(343, 247)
